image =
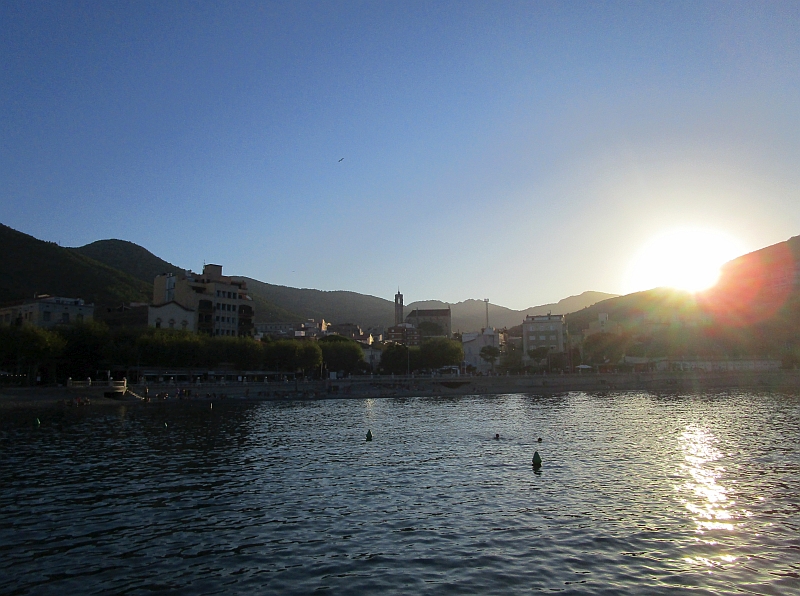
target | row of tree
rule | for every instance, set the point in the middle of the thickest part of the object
(431, 355)
(80, 350)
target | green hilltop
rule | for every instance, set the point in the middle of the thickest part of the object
(30, 266)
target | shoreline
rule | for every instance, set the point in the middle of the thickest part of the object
(388, 387)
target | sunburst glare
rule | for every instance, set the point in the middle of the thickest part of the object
(685, 259)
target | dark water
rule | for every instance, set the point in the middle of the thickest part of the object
(639, 493)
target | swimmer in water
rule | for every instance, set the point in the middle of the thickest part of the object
(539, 440)
(497, 437)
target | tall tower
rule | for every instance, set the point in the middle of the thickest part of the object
(398, 307)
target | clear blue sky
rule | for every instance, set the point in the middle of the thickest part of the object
(520, 151)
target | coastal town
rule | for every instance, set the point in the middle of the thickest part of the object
(685, 336)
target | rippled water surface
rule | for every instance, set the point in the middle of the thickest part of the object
(639, 493)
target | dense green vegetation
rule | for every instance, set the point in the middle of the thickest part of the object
(431, 355)
(128, 257)
(30, 266)
(81, 350)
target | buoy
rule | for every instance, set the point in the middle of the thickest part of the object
(37, 422)
(537, 460)
(369, 435)
(165, 424)
(212, 406)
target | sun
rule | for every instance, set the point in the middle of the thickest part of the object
(684, 258)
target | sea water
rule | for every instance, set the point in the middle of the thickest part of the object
(638, 493)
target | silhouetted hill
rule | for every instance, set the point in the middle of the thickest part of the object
(131, 258)
(751, 289)
(336, 306)
(140, 263)
(30, 266)
(470, 315)
(658, 302)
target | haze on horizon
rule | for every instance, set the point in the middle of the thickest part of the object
(518, 151)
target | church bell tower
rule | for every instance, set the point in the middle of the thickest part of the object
(398, 307)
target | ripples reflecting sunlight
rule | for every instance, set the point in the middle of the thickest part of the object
(639, 493)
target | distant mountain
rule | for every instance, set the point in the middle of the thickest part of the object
(336, 306)
(470, 315)
(109, 272)
(131, 258)
(30, 266)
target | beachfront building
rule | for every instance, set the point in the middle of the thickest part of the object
(543, 331)
(47, 311)
(473, 343)
(220, 305)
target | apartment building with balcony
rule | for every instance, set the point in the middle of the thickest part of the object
(219, 305)
(543, 331)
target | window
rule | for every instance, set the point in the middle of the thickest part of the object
(542, 337)
(184, 325)
(172, 323)
(46, 315)
(217, 319)
(158, 323)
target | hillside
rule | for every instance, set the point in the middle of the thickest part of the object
(30, 266)
(336, 306)
(126, 256)
(140, 263)
(470, 315)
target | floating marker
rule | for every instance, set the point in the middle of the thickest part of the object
(537, 460)
(165, 424)
(37, 422)
(369, 435)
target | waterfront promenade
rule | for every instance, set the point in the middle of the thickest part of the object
(422, 386)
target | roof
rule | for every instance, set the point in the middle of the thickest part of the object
(433, 312)
(171, 302)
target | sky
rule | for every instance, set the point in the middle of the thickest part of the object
(517, 151)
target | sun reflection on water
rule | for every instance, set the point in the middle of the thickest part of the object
(706, 499)
(711, 504)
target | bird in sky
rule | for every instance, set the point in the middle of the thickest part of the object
(341, 159)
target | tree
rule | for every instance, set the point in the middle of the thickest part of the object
(309, 356)
(490, 354)
(26, 348)
(341, 354)
(439, 351)
(512, 359)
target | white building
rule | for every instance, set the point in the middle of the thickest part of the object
(171, 315)
(473, 343)
(47, 311)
